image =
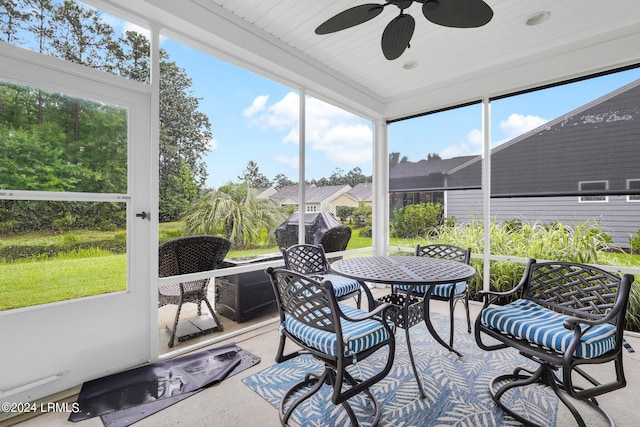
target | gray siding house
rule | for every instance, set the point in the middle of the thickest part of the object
(582, 166)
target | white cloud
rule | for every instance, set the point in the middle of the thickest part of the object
(517, 124)
(332, 134)
(258, 105)
(290, 162)
(514, 126)
(471, 146)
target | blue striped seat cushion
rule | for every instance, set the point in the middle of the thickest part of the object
(342, 285)
(442, 291)
(527, 320)
(357, 336)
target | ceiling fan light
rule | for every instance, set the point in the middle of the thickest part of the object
(431, 4)
(410, 65)
(538, 18)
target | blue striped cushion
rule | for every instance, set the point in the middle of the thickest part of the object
(530, 321)
(442, 291)
(357, 336)
(342, 285)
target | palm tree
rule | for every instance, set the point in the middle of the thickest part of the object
(235, 211)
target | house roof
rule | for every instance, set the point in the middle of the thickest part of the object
(427, 167)
(313, 194)
(276, 39)
(362, 192)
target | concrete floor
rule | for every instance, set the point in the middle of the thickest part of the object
(231, 403)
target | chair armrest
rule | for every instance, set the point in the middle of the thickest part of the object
(375, 314)
(490, 296)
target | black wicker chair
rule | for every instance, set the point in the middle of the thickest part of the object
(311, 260)
(313, 319)
(566, 316)
(451, 292)
(189, 255)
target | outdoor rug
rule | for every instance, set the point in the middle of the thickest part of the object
(456, 388)
(127, 397)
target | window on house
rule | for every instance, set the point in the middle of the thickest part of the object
(594, 186)
(633, 184)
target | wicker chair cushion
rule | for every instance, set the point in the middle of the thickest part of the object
(358, 336)
(529, 321)
(442, 291)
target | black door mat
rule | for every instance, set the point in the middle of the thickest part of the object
(127, 397)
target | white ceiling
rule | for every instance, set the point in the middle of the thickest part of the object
(276, 38)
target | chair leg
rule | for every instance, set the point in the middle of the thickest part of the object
(310, 379)
(466, 307)
(219, 326)
(452, 306)
(175, 326)
(544, 375)
(328, 376)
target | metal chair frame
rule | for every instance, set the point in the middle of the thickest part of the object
(453, 253)
(311, 260)
(590, 296)
(313, 303)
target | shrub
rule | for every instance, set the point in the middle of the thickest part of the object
(634, 242)
(366, 231)
(417, 220)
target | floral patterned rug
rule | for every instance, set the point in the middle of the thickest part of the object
(456, 388)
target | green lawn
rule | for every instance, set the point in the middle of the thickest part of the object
(31, 283)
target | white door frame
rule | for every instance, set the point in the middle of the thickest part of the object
(50, 348)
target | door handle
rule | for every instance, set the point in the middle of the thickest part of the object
(143, 215)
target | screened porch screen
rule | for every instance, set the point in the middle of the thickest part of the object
(591, 152)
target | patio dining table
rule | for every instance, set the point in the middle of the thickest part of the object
(412, 271)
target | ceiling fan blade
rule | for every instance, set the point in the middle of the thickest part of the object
(350, 18)
(457, 13)
(397, 35)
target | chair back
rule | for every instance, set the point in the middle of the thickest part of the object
(577, 290)
(192, 254)
(310, 302)
(305, 259)
(444, 251)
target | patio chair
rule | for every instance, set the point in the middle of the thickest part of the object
(189, 255)
(566, 315)
(312, 261)
(337, 335)
(451, 292)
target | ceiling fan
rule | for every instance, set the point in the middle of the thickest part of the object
(398, 33)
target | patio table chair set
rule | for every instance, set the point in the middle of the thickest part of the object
(566, 316)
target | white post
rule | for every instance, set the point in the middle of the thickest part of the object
(380, 224)
(486, 189)
(301, 165)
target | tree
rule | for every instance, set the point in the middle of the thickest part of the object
(252, 176)
(282, 181)
(185, 132)
(433, 156)
(91, 138)
(394, 159)
(11, 19)
(235, 211)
